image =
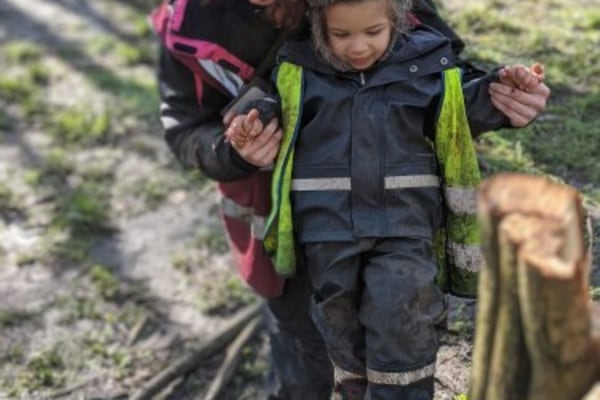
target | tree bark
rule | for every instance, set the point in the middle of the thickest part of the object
(535, 336)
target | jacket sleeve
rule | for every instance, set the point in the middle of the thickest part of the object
(481, 113)
(192, 125)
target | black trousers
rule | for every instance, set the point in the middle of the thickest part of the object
(299, 367)
(375, 303)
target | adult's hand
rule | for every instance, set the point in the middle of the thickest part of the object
(520, 107)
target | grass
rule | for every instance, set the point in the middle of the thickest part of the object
(79, 126)
(106, 283)
(23, 85)
(22, 52)
(15, 89)
(214, 241)
(510, 32)
(153, 190)
(41, 371)
(8, 199)
(251, 367)
(15, 317)
(224, 295)
(122, 103)
(125, 54)
(135, 95)
(81, 216)
(564, 141)
(567, 144)
(84, 211)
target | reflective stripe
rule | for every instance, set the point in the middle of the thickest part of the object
(257, 227)
(301, 185)
(411, 181)
(228, 79)
(461, 200)
(245, 214)
(467, 257)
(169, 122)
(340, 374)
(391, 182)
(400, 378)
(234, 210)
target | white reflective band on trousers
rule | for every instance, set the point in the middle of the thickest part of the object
(400, 378)
(340, 374)
(390, 182)
(246, 215)
(385, 378)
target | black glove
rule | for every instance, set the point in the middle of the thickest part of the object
(268, 108)
(255, 94)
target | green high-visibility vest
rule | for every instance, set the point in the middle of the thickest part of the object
(457, 243)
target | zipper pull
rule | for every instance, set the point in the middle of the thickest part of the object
(362, 78)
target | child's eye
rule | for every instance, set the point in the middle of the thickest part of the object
(340, 35)
(374, 32)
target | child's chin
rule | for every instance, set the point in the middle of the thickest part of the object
(361, 66)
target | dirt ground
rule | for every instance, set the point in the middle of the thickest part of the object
(167, 257)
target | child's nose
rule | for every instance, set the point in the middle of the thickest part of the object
(358, 46)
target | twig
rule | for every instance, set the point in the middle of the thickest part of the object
(135, 332)
(232, 358)
(184, 365)
(72, 389)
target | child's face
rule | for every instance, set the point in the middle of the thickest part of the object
(359, 32)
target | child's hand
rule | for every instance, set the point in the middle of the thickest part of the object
(521, 77)
(538, 69)
(243, 127)
(262, 149)
(520, 106)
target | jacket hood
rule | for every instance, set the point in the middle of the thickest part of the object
(419, 43)
(400, 17)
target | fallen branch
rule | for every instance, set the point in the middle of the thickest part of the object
(189, 362)
(70, 390)
(136, 331)
(232, 358)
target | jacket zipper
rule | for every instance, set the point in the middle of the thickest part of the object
(362, 79)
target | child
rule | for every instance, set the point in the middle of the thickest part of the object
(372, 125)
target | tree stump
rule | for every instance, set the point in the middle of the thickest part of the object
(537, 335)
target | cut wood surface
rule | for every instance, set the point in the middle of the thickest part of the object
(535, 336)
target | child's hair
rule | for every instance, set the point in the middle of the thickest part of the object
(399, 12)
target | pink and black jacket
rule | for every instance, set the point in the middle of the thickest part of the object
(203, 65)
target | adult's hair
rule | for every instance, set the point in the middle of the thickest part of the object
(286, 14)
